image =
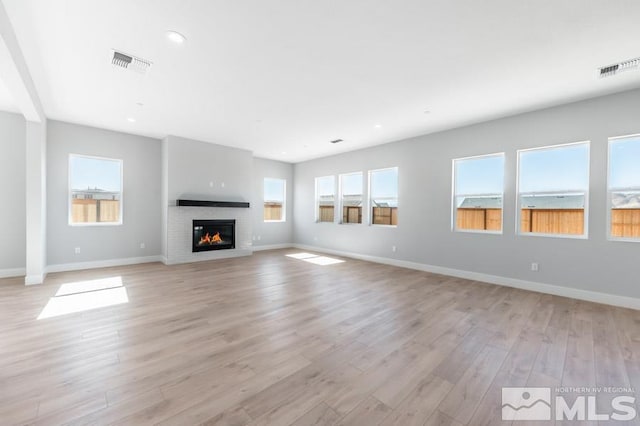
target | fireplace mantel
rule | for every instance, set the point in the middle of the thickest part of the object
(203, 203)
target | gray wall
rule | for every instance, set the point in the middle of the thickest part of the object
(424, 231)
(12, 188)
(270, 233)
(207, 171)
(142, 193)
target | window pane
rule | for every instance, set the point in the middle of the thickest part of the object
(624, 187)
(555, 169)
(480, 175)
(274, 199)
(96, 189)
(384, 196)
(351, 197)
(478, 184)
(325, 198)
(553, 185)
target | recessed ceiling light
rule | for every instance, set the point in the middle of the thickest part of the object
(131, 120)
(176, 37)
(426, 111)
(284, 152)
(140, 104)
(377, 126)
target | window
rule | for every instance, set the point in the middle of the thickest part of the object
(351, 197)
(478, 186)
(95, 193)
(325, 198)
(553, 190)
(624, 188)
(383, 193)
(274, 200)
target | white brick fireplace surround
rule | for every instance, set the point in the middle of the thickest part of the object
(180, 230)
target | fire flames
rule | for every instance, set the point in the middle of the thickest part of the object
(214, 239)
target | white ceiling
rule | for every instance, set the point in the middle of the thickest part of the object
(7, 102)
(290, 75)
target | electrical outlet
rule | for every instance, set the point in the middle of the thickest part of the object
(393, 249)
(143, 245)
(210, 184)
(77, 250)
(258, 237)
(534, 267)
(222, 185)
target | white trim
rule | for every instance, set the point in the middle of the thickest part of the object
(219, 254)
(283, 217)
(273, 247)
(587, 191)
(317, 198)
(341, 200)
(70, 192)
(34, 279)
(455, 196)
(610, 190)
(573, 293)
(62, 267)
(14, 272)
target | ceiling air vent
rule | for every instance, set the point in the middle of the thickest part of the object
(614, 69)
(130, 62)
(336, 141)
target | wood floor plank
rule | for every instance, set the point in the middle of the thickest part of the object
(420, 404)
(369, 412)
(466, 395)
(320, 415)
(269, 339)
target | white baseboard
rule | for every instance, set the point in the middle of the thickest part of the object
(573, 293)
(34, 279)
(14, 272)
(102, 263)
(209, 255)
(273, 247)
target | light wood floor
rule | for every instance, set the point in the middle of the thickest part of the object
(271, 340)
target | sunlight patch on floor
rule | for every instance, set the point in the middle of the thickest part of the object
(315, 259)
(84, 296)
(302, 255)
(92, 285)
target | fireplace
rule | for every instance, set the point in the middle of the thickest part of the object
(213, 235)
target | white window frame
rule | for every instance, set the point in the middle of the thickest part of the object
(370, 198)
(284, 200)
(610, 190)
(584, 236)
(317, 200)
(454, 195)
(341, 202)
(70, 192)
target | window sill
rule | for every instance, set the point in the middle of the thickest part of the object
(377, 225)
(99, 224)
(624, 239)
(275, 221)
(477, 231)
(566, 236)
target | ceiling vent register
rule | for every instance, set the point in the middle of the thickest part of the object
(614, 69)
(130, 62)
